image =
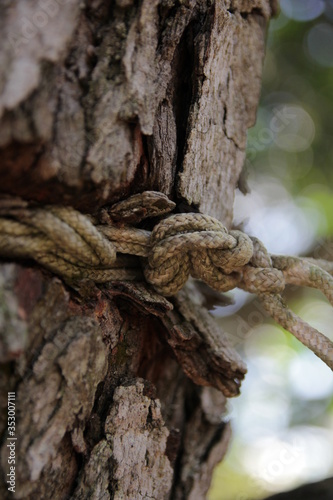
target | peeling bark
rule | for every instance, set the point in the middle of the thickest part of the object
(100, 100)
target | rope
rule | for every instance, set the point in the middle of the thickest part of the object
(77, 246)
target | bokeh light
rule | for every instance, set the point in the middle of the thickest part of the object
(320, 44)
(302, 10)
(283, 421)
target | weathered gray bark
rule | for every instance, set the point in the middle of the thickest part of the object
(100, 100)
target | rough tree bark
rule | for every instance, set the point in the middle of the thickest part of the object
(100, 99)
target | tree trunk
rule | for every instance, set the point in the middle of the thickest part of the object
(99, 100)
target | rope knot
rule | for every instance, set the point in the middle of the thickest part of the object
(196, 245)
(78, 246)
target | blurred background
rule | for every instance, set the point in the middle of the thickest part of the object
(283, 421)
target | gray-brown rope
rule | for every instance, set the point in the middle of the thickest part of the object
(76, 247)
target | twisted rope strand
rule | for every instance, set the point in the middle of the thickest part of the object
(301, 272)
(305, 333)
(77, 247)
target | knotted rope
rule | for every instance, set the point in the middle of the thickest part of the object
(77, 246)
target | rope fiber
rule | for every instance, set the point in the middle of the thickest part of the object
(77, 246)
